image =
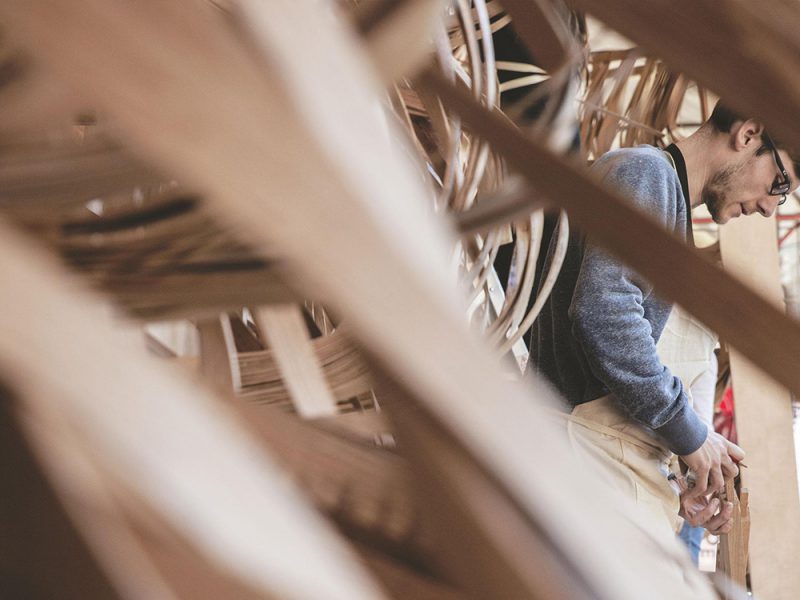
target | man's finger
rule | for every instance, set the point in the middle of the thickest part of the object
(734, 451)
(700, 484)
(723, 522)
(716, 480)
(722, 529)
(729, 467)
(698, 514)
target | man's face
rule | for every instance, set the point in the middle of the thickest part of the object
(742, 188)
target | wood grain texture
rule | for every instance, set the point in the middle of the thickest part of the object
(733, 549)
(763, 413)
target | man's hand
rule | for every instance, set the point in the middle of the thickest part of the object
(705, 512)
(711, 462)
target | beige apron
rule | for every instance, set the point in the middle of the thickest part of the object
(636, 462)
(633, 457)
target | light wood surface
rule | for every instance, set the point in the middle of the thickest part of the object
(287, 335)
(763, 412)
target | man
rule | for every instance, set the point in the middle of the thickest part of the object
(596, 338)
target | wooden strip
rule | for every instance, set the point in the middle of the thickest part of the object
(767, 336)
(172, 296)
(400, 35)
(66, 173)
(404, 583)
(287, 335)
(763, 415)
(218, 364)
(732, 551)
(366, 489)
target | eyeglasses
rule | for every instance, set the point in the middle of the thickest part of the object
(782, 183)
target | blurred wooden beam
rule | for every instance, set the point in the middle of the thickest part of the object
(399, 34)
(41, 553)
(287, 335)
(543, 27)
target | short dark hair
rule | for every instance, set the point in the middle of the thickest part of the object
(722, 119)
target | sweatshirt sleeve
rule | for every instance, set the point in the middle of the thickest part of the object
(608, 316)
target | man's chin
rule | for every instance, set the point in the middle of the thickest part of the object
(720, 220)
(720, 217)
(716, 216)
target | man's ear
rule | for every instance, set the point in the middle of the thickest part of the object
(747, 134)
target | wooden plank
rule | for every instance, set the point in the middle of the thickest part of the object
(733, 549)
(41, 552)
(399, 34)
(365, 488)
(288, 338)
(403, 582)
(764, 423)
(219, 365)
(466, 510)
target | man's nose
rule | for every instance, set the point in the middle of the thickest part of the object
(766, 206)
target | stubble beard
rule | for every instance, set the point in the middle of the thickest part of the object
(715, 192)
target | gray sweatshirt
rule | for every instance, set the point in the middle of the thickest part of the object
(598, 331)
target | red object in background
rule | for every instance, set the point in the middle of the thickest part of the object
(724, 423)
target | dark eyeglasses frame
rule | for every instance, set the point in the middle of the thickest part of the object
(783, 183)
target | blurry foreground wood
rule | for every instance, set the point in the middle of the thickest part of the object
(243, 156)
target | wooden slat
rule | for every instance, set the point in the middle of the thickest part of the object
(218, 363)
(766, 335)
(403, 582)
(364, 488)
(288, 338)
(763, 413)
(67, 173)
(467, 510)
(732, 552)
